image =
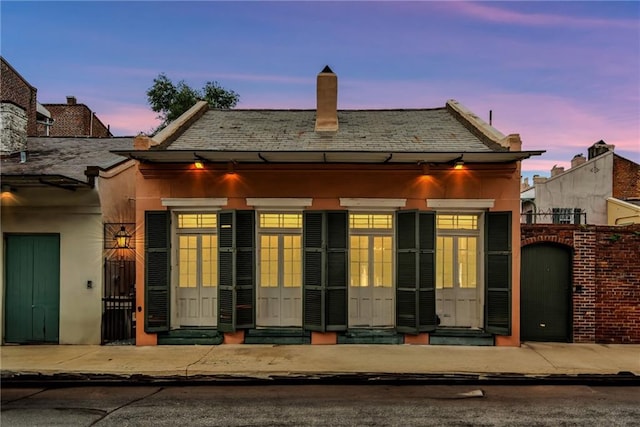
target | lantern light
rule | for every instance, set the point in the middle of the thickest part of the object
(122, 238)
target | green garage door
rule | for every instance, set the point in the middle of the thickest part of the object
(32, 303)
(545, 293)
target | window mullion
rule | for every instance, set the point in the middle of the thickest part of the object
(456, 266)
(199, 263)
(280, 260)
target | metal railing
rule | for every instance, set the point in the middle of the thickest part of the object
(555, 216)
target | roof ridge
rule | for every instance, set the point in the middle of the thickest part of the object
(486, 133)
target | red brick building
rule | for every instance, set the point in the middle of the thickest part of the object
(73, 119)
(19, 109)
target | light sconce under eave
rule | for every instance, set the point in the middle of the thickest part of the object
(458, 164)
(231, 169)
(122, 238)
(198, 164)
(426, 169)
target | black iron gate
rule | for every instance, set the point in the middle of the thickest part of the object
(118, 302)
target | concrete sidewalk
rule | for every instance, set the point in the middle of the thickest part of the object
(530, 362)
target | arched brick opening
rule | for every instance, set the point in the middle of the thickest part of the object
(546, 239)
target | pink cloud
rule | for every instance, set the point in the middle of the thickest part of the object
(496, 14)
(563, 127)
(129, 120)
(541, 166)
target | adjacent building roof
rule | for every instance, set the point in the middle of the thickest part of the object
(62, 162)
(42, 111)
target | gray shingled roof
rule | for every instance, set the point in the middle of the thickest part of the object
(426, 130)
(66, 157)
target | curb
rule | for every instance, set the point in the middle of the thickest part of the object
(24, 379)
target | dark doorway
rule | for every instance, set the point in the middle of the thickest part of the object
(118, 302)
(545, 293)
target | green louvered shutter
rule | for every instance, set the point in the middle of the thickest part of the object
(337, 226)
(157, 271)
(245, 269)
(236, 270)
(427, 293)
(325, 270)
(415, 272)
(498, 273)
(313, 277)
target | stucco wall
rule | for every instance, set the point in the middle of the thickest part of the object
(80, 230)
(622, 213)
(586, 187)
(117, 193)
(326, 184)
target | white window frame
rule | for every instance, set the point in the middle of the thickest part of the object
(175, 247)
(480, 248)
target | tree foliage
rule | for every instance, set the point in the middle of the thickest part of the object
(171, 100)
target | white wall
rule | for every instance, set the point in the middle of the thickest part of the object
(76, 217)
(586, 187)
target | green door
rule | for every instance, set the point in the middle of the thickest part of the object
(545, 293)
(32, 303)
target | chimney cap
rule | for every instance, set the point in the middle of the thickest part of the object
(327, 69)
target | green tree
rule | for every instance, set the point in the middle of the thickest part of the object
(171, 100)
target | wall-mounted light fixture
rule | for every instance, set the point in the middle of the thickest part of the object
(199, 161)
(122, 238)
(426, 170)
(231, 169)
(6, 188)
(458, 163)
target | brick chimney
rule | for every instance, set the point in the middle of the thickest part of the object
(71, 100)
(327, 101)
(537, 179)
(577, 160)
(556, 170)
(599, 148)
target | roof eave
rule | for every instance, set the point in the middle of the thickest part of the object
(213, 156)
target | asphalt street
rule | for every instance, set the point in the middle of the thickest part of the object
(322, 405)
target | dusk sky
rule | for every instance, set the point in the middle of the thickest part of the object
(561, 74)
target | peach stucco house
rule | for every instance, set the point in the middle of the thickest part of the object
(333, 226)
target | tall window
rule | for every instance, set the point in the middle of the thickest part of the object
(197, 250)
(457, 252)
(371, 250)
(280, 250)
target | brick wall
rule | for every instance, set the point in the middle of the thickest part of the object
(617, 269)
(14, 89)
(626, 178)
(584, 285)
(606, 278)
(74, 120)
